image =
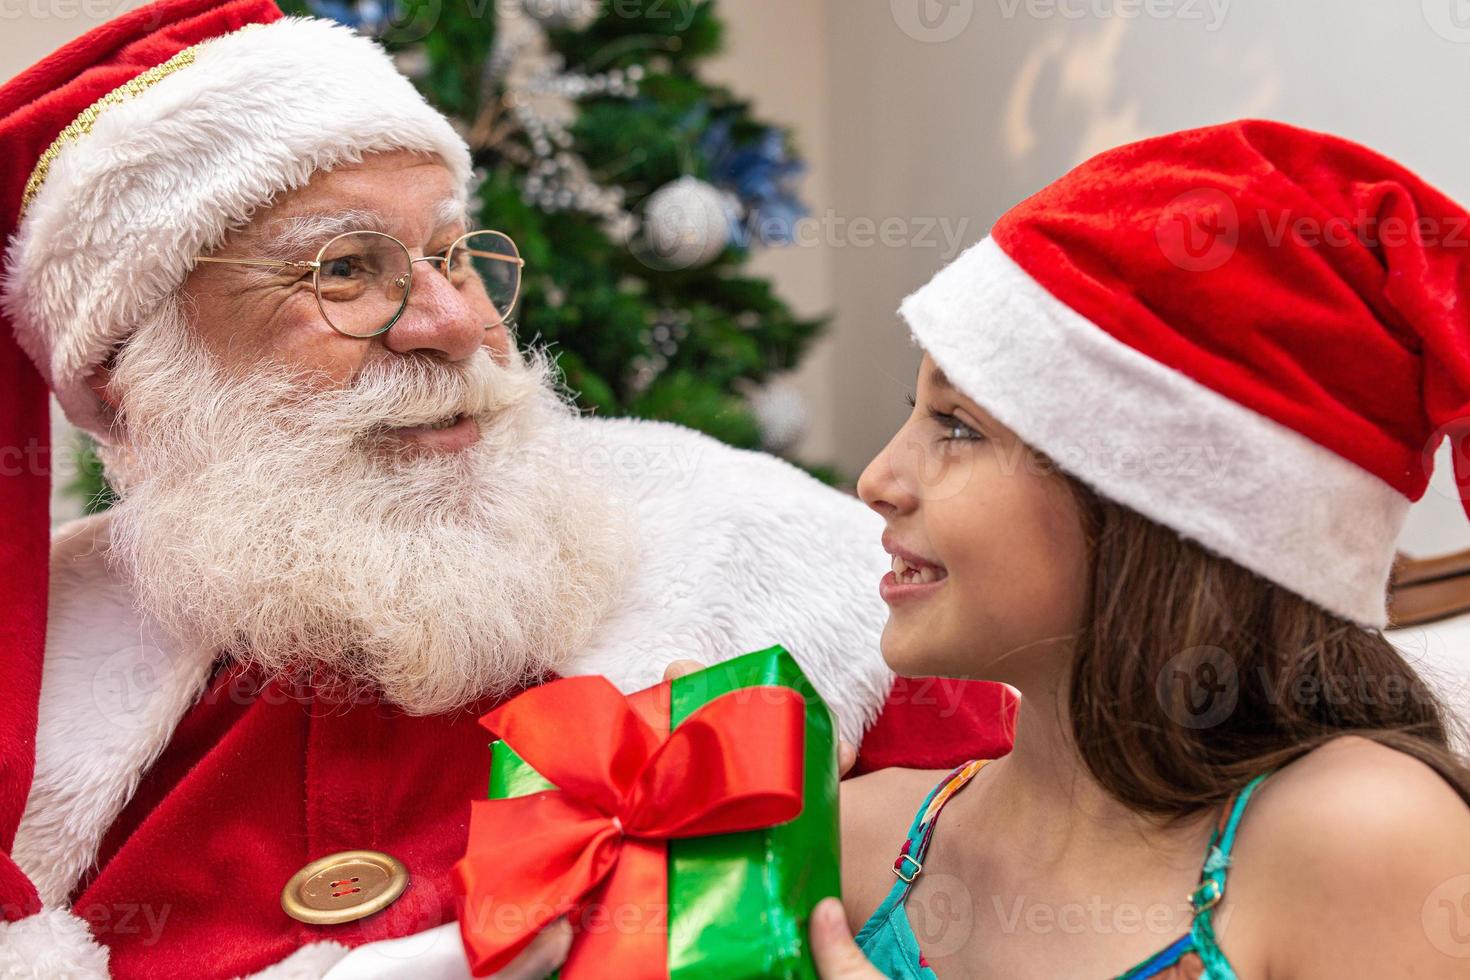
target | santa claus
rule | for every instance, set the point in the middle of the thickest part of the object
(243, 738)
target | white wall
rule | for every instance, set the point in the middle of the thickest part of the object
(776, 55)
(31, 29)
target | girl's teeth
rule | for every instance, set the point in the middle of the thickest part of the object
(909, 575)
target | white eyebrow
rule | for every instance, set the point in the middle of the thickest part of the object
(287, 237)
(449, 211)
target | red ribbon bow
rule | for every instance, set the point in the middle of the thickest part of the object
(626, 786)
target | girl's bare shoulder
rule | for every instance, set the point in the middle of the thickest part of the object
(1367, 851)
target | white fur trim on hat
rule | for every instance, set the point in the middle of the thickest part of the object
(165, 175)
(1150, 438)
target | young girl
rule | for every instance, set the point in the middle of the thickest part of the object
(1168, 421)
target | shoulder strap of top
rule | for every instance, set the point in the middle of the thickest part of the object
(887, 938)
(910, 861)
(1212, 880)
(1217, 858)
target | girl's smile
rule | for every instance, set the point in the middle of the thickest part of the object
(912, 577)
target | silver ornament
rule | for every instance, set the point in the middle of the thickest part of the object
(687, 224)
(558, 14)
(780, 412)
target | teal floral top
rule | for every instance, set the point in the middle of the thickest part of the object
(888, 940)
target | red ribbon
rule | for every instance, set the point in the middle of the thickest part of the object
(597, 845)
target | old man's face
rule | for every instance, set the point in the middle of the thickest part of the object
(246, 315)
(402, 513)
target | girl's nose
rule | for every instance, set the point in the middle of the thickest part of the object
(880, 486)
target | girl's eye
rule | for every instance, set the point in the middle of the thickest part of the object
(956, 430)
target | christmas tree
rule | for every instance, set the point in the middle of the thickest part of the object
(635, 191)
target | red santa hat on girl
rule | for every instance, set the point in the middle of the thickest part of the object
(128, 152)
(1253, 334)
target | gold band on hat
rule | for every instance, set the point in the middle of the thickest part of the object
(82, 124)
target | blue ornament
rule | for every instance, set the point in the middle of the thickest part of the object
(365, 17)
(762, 176)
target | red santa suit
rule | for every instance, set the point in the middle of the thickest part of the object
(154, 800)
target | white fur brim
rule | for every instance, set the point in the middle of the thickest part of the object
(165, 175)
(52, 943)
(1153, 439)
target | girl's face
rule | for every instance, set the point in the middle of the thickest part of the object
(990, 571)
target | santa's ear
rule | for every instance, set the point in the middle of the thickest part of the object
(100, 381)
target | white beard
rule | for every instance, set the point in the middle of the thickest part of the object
(256, 519)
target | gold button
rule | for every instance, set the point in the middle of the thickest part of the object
(343, 887)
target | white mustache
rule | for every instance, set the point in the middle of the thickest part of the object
(409, 392)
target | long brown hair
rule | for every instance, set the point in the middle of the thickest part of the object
(1192, 674)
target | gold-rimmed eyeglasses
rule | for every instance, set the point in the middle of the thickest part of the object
(363, 278)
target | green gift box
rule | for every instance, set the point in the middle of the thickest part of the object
(737, 903)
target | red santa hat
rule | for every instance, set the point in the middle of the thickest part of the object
(1253, 334)
(128, 152)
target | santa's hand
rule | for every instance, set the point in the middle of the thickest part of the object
(543, 957)
(438, 954)
(846, 753)
(837, 956)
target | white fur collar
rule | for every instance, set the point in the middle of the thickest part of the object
(112, 691)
